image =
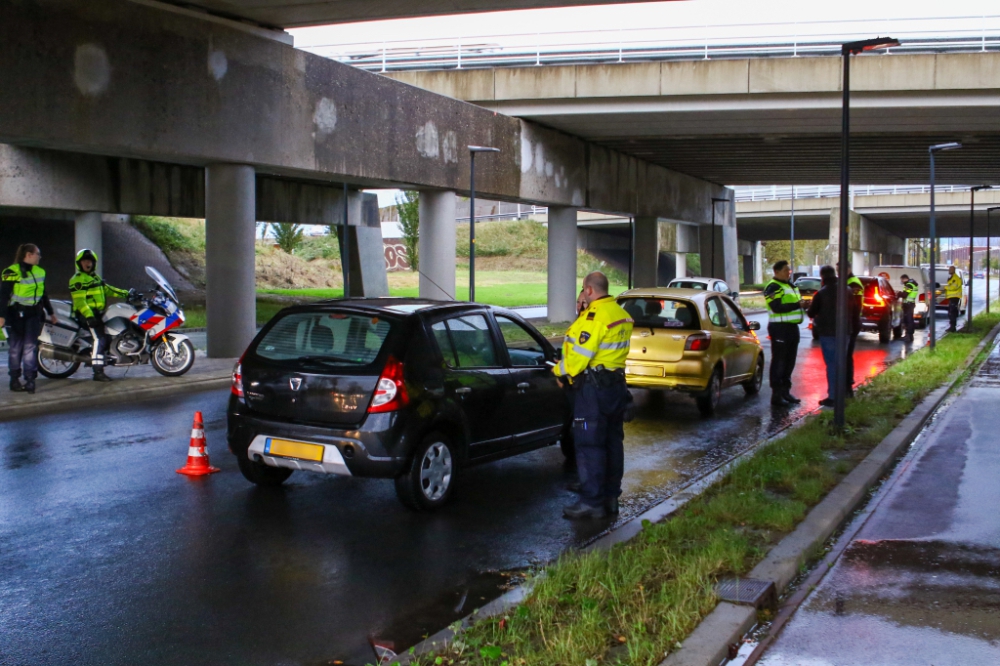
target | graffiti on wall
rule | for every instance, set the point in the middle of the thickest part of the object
(396, 258)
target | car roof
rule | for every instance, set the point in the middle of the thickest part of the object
(672, 292)
(394, 305)
(706, 280)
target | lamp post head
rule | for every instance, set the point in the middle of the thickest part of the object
(951, 145)
(868, 45)
(718, 199)
(483, 149)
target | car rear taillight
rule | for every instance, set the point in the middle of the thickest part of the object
(390, 392)
(237, 386)
(876, 299)
(697, 342)
(923, 298)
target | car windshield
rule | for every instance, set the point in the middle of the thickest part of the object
(688, 284)
(326, 339)
(661, 312)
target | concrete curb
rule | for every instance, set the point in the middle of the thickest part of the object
(708, 644)
(112, 397)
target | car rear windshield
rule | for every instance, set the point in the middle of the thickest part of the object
(808, 283)
(689, 285)
(662, 312)
(328, 339)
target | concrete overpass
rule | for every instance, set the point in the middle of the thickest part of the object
(127, 107)
(765, 120)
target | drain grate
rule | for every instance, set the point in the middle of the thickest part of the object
(747, 592)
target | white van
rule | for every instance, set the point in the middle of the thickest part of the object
(894, 275)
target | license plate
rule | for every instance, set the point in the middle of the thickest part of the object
(644, 371)
(300, 450)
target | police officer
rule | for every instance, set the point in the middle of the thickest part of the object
(90, 294)
(909, 296)
(856, 292)
(593, 365)
(784, 309)
(22, 303)
(953, 292)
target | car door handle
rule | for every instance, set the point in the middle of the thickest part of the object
(463, 390)
(435, 391)
(523, 386)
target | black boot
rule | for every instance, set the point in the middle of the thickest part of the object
(611, 506)
(791, 398)
(29, 386)
(15, 385)
(99, 375)
(584, 510)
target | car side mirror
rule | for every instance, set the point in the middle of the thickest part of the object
(558, 354)
(734, 294)
(755, 326)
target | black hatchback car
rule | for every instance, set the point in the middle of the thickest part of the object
(412, 390)
(881, 309)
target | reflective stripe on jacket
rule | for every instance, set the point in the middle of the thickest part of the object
(90, 293)
(29, 288)
(786, 294)
(599, 336)
(953, 288)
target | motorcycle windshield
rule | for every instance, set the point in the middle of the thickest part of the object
(162, 283)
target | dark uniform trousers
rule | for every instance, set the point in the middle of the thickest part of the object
(25, 326)
(908, 324)
(953, 304)
(599, 437)
(784, 350)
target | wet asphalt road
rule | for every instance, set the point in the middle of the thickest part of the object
(109, 557)
(918, 582)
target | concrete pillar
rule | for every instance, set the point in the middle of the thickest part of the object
(436, 245)
(646, 253)
(88, 235)
(364, 242)
(230, 223)
(758, 262)
(726, 247)
(680, 264)
(562, 264)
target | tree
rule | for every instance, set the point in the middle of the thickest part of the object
(408, 207)
(288, 236)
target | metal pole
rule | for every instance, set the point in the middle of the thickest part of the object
(345, 251)
(933, 270)
(791, 252)
(472, 226)
(988, 211)
(972, 275)
(840, 388)
(712, 274)
(631, 249)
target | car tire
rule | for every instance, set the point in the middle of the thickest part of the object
(260, 474)
(708, 400)
(752, 386)
(430, 481)
(884, 330)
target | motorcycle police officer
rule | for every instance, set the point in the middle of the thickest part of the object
(909, 296)
(784, 310)
(22, 302)
(593, 364)
(90, 295)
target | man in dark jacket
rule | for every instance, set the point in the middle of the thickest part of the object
(823, 311)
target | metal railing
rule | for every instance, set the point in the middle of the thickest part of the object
(776, 192)
(961, 34)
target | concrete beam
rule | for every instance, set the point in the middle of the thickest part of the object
(368, 276)
(646, 253)
(225, 96)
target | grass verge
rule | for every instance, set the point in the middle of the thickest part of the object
(637, 602)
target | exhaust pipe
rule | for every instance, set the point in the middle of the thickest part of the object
(55, 354)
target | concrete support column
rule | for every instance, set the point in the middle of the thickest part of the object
(680, 264)
(726, 247)
(758, 262)
(364, 242)
(646, 252)
(562, 264)
(88, 235)
(436, 246)
(230, 224)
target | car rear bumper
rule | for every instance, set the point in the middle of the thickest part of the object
(358, 452)
(686, 375)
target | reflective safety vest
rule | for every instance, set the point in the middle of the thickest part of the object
(29, 288)
(910, 292)
(599, 337)
(854, 282)
(953, 288)
(787, 294)
(90, 293)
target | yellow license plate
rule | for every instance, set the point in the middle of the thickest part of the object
(643, 370)
(300, 450)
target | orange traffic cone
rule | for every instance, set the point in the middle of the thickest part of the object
(197, 462)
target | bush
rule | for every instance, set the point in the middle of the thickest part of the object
(408, 207)
(319, 247)
(287, 236)
(167, 234)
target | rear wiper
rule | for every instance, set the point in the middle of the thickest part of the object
(330, 360)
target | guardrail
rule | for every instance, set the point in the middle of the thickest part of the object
(960, 34)
(775, 192)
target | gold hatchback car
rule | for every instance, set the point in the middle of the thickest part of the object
(693, 341)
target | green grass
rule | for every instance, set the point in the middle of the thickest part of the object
(195, 315)
(636, 602)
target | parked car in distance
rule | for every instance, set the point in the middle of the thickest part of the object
(895, 273)
(808, 286)
(696, 341)
(704, 284)
(407, 389)
(881, 309)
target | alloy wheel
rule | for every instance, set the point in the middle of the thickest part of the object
(435, 471)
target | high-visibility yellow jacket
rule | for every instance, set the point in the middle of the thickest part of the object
(784, 303)
(953, 288)
(910, 292)
(599, 337)
(28, 285)
(90, 293)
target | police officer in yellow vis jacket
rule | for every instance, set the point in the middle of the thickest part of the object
(90, 297)
(953, 292)
(23, 302)
(785, 314)
(909, 296)
(593, 366)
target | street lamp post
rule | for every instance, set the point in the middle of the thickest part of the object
(715, 200)
(952, 145)
(988, 211)
(972, 252)
(472, 215)
(846, 51)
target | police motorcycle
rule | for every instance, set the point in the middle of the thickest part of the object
(139, 331)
